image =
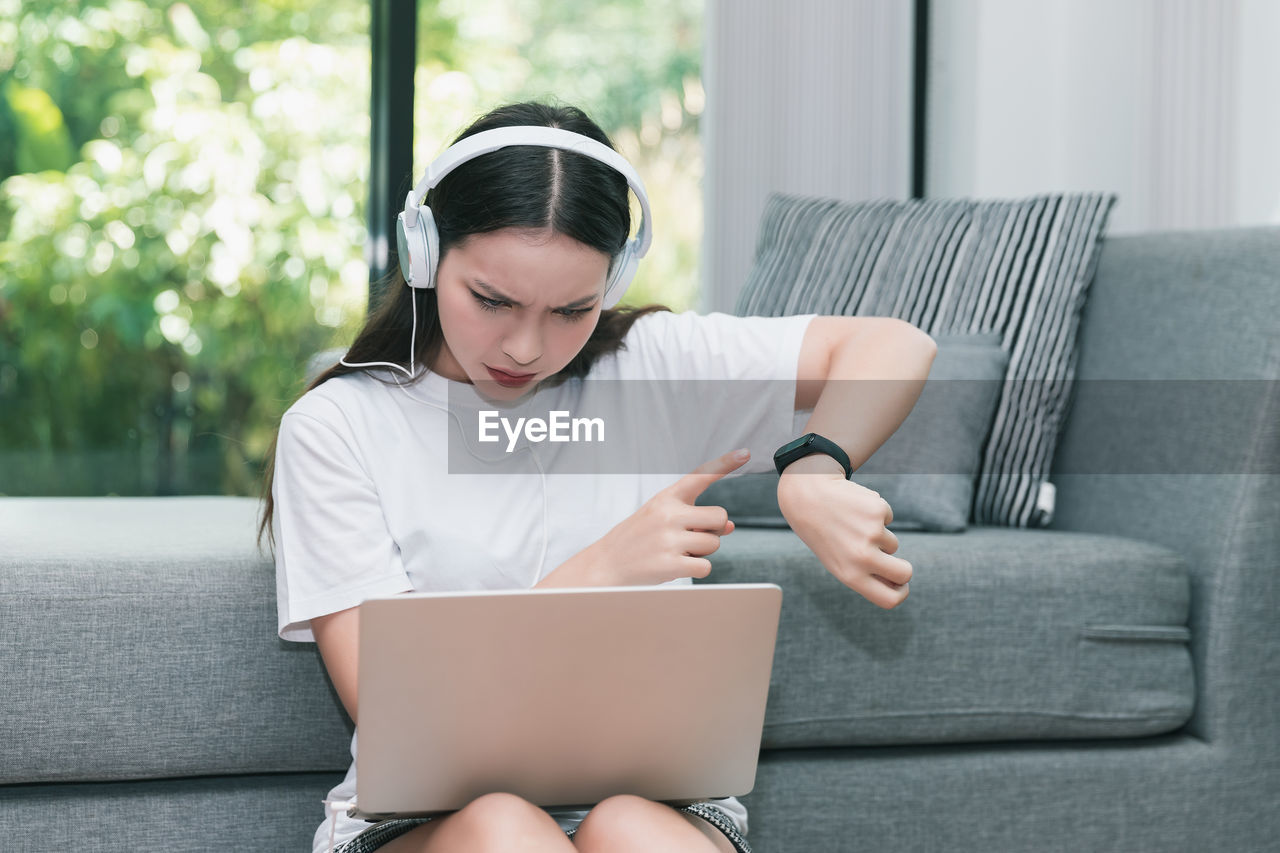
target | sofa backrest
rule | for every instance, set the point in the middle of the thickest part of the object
(1192, 461)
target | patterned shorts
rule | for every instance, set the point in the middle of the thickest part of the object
(379, 834)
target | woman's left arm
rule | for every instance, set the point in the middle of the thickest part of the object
(861, 376)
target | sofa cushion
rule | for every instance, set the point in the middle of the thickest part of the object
(926, 469)
(1019, 268)
(123, 661)
(140, 642)
(1008, 634)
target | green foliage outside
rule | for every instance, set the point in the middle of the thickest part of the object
(182, 193)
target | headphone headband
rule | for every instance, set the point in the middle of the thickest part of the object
(547, 137)
(418, 242)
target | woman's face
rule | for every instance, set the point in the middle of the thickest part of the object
(516, 306)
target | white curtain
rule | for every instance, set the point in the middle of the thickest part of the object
(804, 96)
(1172, 104)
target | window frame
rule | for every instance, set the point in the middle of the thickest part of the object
(392, 49)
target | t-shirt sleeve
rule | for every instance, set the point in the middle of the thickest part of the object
(752, 364)
(333, 549)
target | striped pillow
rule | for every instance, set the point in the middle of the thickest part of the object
(1018, 268)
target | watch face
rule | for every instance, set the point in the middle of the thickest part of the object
(793, 445)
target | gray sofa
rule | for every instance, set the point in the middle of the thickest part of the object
(1111, 682)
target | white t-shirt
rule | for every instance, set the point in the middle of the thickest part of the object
(365, 504)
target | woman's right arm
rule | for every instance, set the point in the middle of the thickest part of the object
(338, 637)
(667, 538)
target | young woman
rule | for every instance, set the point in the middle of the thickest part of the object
(513, 302)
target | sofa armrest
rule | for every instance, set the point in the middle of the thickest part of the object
(1190, 461)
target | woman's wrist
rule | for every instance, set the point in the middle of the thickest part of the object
(797, 478)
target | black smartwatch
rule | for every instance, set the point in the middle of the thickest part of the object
(810, 443)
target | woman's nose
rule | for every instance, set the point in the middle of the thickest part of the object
(524, 344)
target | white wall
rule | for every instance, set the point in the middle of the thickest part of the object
(806, 96)
(1258, 141)
(1173, 104)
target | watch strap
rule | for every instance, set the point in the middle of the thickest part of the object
(808, 444)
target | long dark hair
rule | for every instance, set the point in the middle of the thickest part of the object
(519, 186)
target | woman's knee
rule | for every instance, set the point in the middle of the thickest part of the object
(494, 821)
(500, 810)
(618, 821)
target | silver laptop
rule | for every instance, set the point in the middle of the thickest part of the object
(562, 696)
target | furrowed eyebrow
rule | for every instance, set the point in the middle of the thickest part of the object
(493, 293)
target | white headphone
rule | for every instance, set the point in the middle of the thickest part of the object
(418, 243)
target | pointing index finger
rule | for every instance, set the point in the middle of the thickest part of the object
(696, 481)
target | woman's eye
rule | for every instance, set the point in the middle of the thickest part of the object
(496, 304)
(487, 303)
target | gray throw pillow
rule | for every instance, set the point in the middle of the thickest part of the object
(926, 469)
(1018, 268)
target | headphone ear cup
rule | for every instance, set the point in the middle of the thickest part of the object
(418, 249)
(624, 270)
(431, 244)
(404, 249)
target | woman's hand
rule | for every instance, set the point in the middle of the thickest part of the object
(843, 523)
(670, 536)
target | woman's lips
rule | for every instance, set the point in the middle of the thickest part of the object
(509, 380)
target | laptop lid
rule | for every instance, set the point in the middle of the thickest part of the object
(562, 696)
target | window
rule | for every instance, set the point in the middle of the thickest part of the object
(183, 192)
